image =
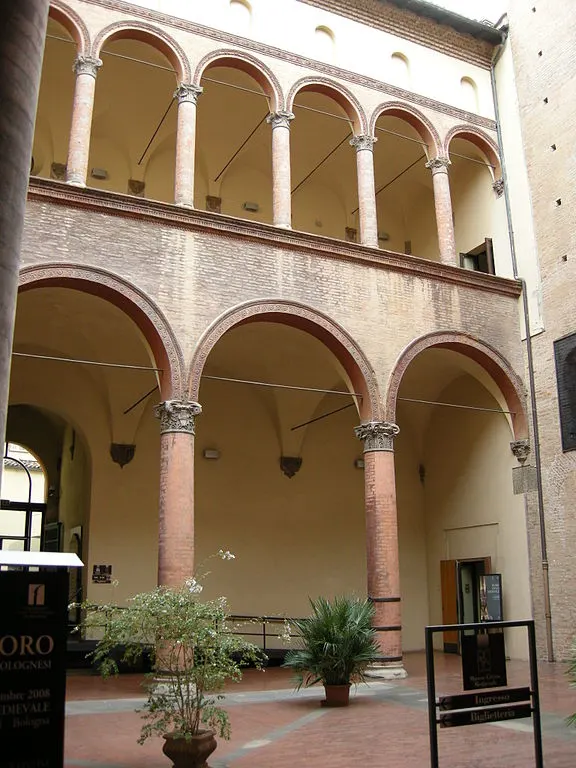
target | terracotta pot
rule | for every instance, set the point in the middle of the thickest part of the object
(189, 753)
(337, 695)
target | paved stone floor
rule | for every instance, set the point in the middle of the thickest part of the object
(385, 726)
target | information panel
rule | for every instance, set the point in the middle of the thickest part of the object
(33, 629)
(483, 661)
(491, 597)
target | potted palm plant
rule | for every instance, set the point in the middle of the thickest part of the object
(194, 651)
(338, 643)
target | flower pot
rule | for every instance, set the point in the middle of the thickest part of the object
(191, 752)
(337, 695)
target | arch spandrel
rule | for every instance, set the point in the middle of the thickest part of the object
(250, 65)
(334, 90)
(319, 325)
(495, 364)
(135, 303)
(151, 35)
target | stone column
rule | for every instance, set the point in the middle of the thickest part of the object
(176, 518)
(281, 176)
(443, 204)
(86, 69)
(22, 34)
(187, 96)
(382, 560)
(364, 146)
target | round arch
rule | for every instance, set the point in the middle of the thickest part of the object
(228, 57)
(153, 36)
(482, 353)
(131, 300)
(335, 91)
(304, 318)
(72, 23)
(480, 140)
(413, 117)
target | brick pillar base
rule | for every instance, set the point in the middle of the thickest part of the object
(383, 566)
(176, 516)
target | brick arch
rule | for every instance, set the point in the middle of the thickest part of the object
(338, 93)
(480, 140)
(263, 75)
(72, 23)
(127, 297)
(306, 319)
(146, 33)
(485, 355)
(421, 124)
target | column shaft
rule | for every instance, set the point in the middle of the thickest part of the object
(176, 513)
(382, 551)
(443, 205)
(281, 172)
(366, 190)
(86, 69)
(21, 48)
(187, 96)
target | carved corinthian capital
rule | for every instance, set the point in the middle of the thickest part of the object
(177, 416)
(438, 165)
(521, 449)
(377, 435)
(280, 119)
(498, 187)
(87, 65)
(363, 142)
(188, 92)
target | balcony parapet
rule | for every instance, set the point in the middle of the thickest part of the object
(169, 215)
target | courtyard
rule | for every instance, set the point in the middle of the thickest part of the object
(385, 725)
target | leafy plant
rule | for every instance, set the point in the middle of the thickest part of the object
(338, 643)
(193, 649)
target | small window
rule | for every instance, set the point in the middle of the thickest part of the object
(325, 43)
(565, 358)
(469, 94)
(400, 70)
(480, 259)
(240, 15)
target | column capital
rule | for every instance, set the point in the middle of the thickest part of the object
(280, 119)
(177, 416)
(521, 449)
(363, 141)
(186, 92)
(438, 165)
(377, 435)
(498, 187)
(86, 65)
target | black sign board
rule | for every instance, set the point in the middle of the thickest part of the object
(102, 574)
(483, 660)
(33, 624)
(485, 699)
(491, 597)
(478, 716)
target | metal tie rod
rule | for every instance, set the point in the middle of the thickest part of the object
(88, 362)
(282, 386)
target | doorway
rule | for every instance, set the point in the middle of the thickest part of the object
(460, 581)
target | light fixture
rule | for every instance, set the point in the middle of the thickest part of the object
(249, 206)
(99, 173)
(359, 463)
(211, 453)
(383, 236)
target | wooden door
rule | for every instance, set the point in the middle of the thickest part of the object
(449, 589)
